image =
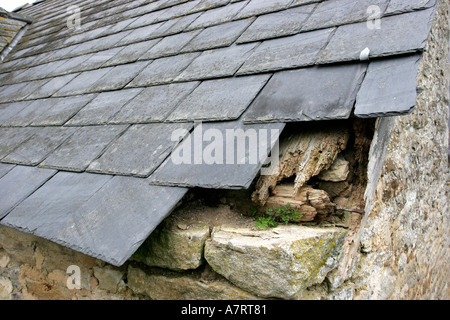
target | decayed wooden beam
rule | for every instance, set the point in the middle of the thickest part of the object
(304, 154)
(313, 204)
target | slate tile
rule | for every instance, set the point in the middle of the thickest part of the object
(118, 77)
(18, 184)
(389, 88)
(258, 7)
(103, 107)
(222, 35)
(218, 15)
(102, 43)
(52, 86)
(219, 155)
(170, 45)
(59, 110)
(316, 93)
(209, 4)
(217, 63)
(77, 152)
(9, 110)
(212, 101)
(145, 20)
(40, 71)
(19, 91)
(5, 168)
(176, 25)
(178, 10)
(93, 213)
(96, 60)
(139, 151)
(139, 34)
(119, 26)
(43, 142)
(277, 24)
(11, 138)
(289, 52)
(154, 103)
(71, 65)
(45, 211)
(398, 34)
(338, 12)
(401, 6)
(82, 83)
(130, 53)
(163, 70)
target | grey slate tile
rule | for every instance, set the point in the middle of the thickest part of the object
(338, 12)
(389, 88)
(400, 6)
(19, 91)
(289, 52)
(52, 86)
(43, 142)
(131, 52)
(11, 138)
(8, 110)
(154, 103)
(222, 35)
(170, 45)
(316, 93)
(96, 60)
(26, 115)
(60, 110)
(111, 213)
(18, 184)
(218, 15)
(103, 107)
(71, 65)
(163, 70)
(77, 152)
(258, 7)
(209, 4)
(82, 83)
(139, 34)
(118, 77)
(5, 168)
(215, 63)
(398, 34)
(176, 25)
(277, 24)
(222, 99)
(219, 155)
(139, 151)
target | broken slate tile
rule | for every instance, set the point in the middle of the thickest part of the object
(289, 52)
(18, 184)
(399, 34)
(212, 101)
(316, 93)
(93, 213)
(277, 24)
(215, 63)
(170, 45)
(103, 107)
(222, 35)
(139, 151)
(43, 142)
(11, 138)
(219, 155)
(389, 88)
(333, 13)
(154, 103)
(77, 152)
(163, 70)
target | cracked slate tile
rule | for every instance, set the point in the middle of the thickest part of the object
(389, 88)
(77, 152)
(215, 63)
(140, 150)
(11, 138)
(222, 35)
(163, 70)
(19, 183)
(42, 143)
(218, 15)
(110, 213)
(170, 45)
(403, 33)
(309, 94)
(226, 162)
(277, 24)
(289, 52)
(103, 107)
(333, 13)
(258, 7)
(212, 101)
(154, 103)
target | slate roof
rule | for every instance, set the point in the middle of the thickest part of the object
(86, 115)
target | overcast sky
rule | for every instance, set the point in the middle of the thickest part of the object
(12, 4)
